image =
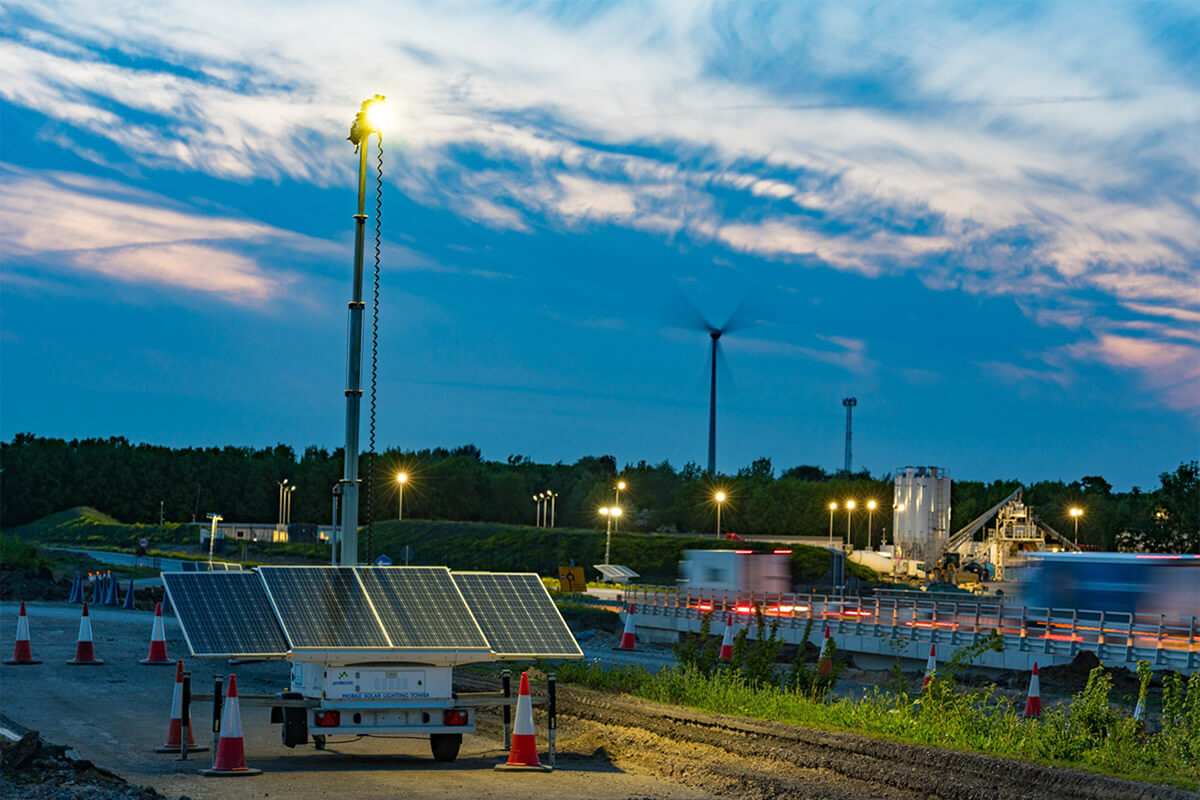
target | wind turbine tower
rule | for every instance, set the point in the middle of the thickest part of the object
(849, 403)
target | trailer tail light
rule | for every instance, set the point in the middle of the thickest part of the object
(327, 719)
(782, 552)
(454, 718)
(705, 606)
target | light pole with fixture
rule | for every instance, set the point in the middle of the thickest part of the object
(871, 505)
(212, 534)
(1076, 512)
(604, 512)
(366, 122)
(282, 488)
(832, 508)
(550, 496)
(401, 479)
(287, 505)
(720, 498)
(849, 512)
(617, 502)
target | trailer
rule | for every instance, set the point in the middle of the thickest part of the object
(712, 573)
(372, 649)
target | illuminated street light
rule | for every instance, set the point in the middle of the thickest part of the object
(871, 504)
(287, 504)
(550, 496)
(720, 498)
(1076, 512)
(538, 500)
(832, 508)
(849, 512)
(401, 479)
(606, 513)
(281, 484)
(617, 500)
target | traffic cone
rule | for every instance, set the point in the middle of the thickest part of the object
(629, 637)
(128, 605)
(930, 667)
(175, 726)
(1033, 704)
(95, 581)
(85, 654)
(230, 758)
(726, 653)
(74, 598)
(113, 597)
(522, 756)
(158, 641)
(22, 653)
(823, 664)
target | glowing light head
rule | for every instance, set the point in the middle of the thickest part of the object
(621, 485)
(615, 511)
(378, 114)
(833, 506)
(604, 511)
(872, 505)
(849, 505)
(401, 477)
(900, 507)
(1076, 512)
(719, 497)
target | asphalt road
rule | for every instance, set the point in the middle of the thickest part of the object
(117, 713)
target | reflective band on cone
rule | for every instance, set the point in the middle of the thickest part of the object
(158, 641)
(85, 653)
(726, 653)
(23, 652)
(628, 638)
(930, 667)
(523, 756)
(1033, 703)
(230, 758)
(175, 726)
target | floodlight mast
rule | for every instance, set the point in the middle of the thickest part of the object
(360, 133)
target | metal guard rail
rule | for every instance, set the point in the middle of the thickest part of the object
(1166, 641)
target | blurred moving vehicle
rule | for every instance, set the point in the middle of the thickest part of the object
(1141, 583)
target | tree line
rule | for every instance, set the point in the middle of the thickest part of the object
(130, 480)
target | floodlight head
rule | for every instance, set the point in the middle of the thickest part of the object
(604, 511)
(833, 506)
(374, 117)
(621, 485)
(402, 477)
(849, 505)
(871, 505)
(615, 511)
(719, 497)
(1076, 512)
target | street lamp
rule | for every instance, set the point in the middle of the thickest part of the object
(604, 512)
(551, 495)
(287, 504)
(1076, 512)
(617, 501)
(832, 508)
(212, 534)
(720, 498)
(401, 479)
(849, 512)
(281, 484)
(871, 504)
(537, 498)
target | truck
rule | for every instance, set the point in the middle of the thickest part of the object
(713, 573)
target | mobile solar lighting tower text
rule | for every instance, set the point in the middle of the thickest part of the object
(372, 648)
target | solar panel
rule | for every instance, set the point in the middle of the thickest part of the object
(323, 608)
(421, 608)
(225, 614)
(517, 615)
(615, 572)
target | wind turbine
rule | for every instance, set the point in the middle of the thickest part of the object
(692, 319)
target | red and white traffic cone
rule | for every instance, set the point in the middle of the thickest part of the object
(523, 756)
(23, 652)
(230, 758)
(930, 667)
(85, 653)
(629, 637)
(726, 653)
(1033, 703)
(175, 727)
(824, 667)
(158, 641)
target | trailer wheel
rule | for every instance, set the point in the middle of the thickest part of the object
(445, 745)
(318, 741)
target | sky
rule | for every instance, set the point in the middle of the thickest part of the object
(982, 220)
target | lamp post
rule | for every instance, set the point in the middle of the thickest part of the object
(604, 512)
(212, 534)
(537, 498)
(849, 513)
(287, 504)
(282, 484)
(551, 495)
(367, 121)
(720, 498)
(617, 500)
(401, 479)
(832, 508)
(1076, 512)
(871, 504)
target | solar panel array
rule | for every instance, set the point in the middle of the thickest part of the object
(517, 615)
(225, 614)
(282, 609)
(421, 608)
(323, 608)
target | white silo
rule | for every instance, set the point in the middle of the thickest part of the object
(921, 512)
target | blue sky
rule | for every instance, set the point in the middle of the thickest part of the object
(983, 220)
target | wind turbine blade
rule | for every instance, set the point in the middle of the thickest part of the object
(680, 312)
(747, 314)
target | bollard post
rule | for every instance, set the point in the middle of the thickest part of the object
(506, 685)
(552, 713)
(216, 726)
(185, 717)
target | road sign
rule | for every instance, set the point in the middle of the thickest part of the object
(383, 561)
(571, 579)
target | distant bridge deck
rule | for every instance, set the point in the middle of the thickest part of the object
(895, 627)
